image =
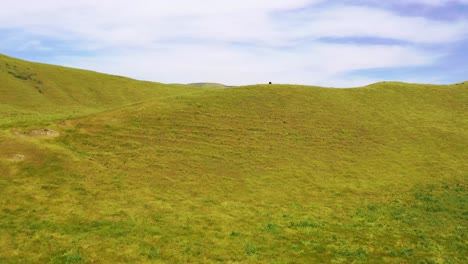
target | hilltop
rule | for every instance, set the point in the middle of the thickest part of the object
(150, 172)
(210, 85)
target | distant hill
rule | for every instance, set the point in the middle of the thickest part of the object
(106, 169)
(27, 86)
(210, 85)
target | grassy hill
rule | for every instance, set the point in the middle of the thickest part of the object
(210, 85)
(29, 88)
(154, 173)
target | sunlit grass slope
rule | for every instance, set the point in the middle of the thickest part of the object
(28, 89)
(257, 174)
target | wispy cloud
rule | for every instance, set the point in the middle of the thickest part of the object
(430, 2)
(352, 21)
(234, 42)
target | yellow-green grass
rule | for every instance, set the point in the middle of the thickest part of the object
(32, 92)
(256, 174)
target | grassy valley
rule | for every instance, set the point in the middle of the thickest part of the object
(146, 172)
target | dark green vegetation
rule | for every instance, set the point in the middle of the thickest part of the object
(154, 173)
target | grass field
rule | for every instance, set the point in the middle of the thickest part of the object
(153, 173)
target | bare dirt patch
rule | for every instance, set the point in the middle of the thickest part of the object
(65, 123)
(19, 134)
(18, 157)
(43, 133)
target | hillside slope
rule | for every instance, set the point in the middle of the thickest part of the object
(29, 88)
(256, 174)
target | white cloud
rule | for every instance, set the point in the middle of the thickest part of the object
(234, 42)
(435, 2)
(317, 64)
(105, 23)
(350, 21)
(108, 23)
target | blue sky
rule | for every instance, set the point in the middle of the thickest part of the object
(329, 43)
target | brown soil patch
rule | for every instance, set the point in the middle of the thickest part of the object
(18, 157)
(19, 134)
(44, 133)
(65, 123)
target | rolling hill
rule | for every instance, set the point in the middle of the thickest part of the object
(154, 173)
(210, 85)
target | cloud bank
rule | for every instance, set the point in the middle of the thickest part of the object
(239, 42)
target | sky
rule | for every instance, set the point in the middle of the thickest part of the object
(330, 43)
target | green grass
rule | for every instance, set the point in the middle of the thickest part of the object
(33, 93)
(155, 173)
